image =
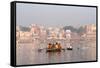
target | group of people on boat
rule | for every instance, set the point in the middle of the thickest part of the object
(54, 46)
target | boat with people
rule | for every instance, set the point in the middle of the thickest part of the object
(54, 47)
(70, 48)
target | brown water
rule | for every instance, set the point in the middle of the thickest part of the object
(27, 53)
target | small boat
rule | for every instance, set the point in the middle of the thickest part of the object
(53, 50)
(54, 47)
(69, 48)
(39, 50)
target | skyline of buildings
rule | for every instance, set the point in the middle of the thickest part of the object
(35, 31)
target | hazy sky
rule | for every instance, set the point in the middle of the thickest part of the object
(54, 15)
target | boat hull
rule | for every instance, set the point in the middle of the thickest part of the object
(53, 50)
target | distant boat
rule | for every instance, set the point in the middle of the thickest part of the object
(69, 48)
(39, 50)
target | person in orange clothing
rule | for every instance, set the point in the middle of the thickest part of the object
(56, 45)
(49, 46)
(59, 46)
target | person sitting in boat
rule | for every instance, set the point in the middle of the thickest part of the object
(56, 45)
(59, 46)
(53, 46)
(49, 46)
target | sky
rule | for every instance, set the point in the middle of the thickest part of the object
(54, 15)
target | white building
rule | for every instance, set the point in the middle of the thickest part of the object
(68, 34)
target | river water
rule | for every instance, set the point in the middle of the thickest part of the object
(27, 53)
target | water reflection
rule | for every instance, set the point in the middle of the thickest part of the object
(27, 53)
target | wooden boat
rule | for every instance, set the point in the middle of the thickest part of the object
(54, 47)
(53, 50)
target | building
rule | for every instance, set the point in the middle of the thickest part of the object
(68, 34)
(43, 33)
(52, 33)
(62, 34)
(35, 30)
(90, 31)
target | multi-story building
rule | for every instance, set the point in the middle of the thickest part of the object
(17, 32)
(56, 33)
(90, 31)
(62, 34)
(68, 34)
(35, 30)
(52, 33)
(43, 33)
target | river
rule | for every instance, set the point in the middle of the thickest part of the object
(27, 53)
